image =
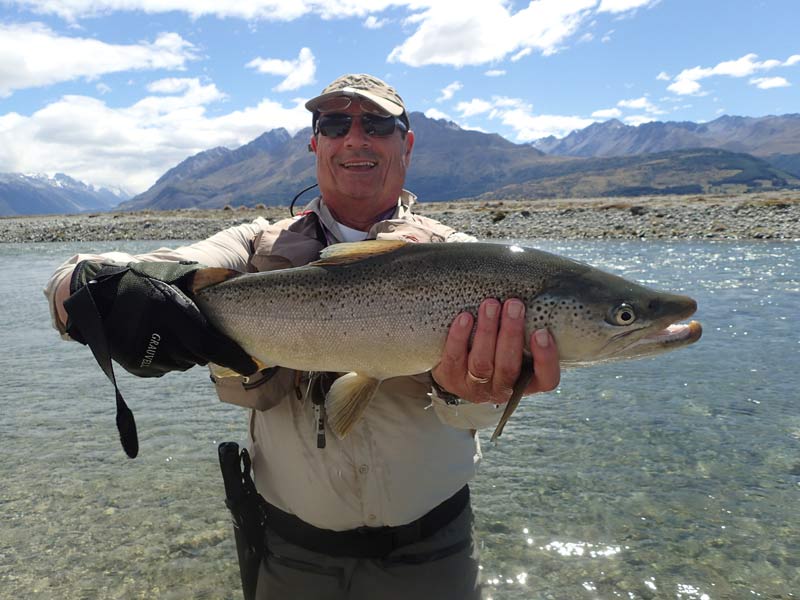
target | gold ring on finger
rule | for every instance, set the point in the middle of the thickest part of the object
(476, 379)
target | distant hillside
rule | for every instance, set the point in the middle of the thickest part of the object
(451, 163)
(60, 194)
(705, 170)
(774, 138)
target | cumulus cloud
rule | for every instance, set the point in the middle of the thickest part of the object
(519, 116)
(642, 103)
(444, 32)
(449, 91)
(495, 73)
(663, 76)
(688, 80)
(637, 120)
(766, 83)
(32, 55)
(607, 113)
(372, 22)
(618, 6)
(479, 32)
(131, 146)
(297, 72)
(474, 107)
(433, 113)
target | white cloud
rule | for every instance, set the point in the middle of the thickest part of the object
(132, 146)
(519, 116)
(297, 73)
(495, 73)
(792, 60)
(102, 88)
(474, 107)
(687, 81)
(637, 120)
(642, 103)
(32, 55)
(607, 113)
(663, 76)
(372, 22)
(766, 83)
(618, 6)
(473, 33)
(433, 113)
(444, 32)
(449, 91)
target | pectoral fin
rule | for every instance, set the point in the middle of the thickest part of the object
(219, 372)
(525, 375)
(347, 399)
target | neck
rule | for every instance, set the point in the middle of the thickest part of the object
(360, 220)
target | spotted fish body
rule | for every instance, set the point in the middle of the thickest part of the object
(383, 309)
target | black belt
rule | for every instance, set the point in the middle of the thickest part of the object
(365, 542)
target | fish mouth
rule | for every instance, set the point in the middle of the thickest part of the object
(676, 334)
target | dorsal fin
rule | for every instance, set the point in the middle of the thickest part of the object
(342, 254)
(203, 278)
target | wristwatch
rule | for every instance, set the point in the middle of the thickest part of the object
(442, 393)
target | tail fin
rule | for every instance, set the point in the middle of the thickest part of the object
(348, 397)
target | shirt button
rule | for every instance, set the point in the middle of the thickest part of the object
(363, 469)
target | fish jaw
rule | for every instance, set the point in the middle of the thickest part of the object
(672, 337)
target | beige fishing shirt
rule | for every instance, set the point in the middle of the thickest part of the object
(410, 451)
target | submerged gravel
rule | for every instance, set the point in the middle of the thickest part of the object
(769, 215)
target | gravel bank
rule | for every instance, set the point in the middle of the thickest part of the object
(769, 215)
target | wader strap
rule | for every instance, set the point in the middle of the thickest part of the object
(365, 542)
(84, 313)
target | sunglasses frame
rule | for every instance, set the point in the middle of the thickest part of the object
(370, 123)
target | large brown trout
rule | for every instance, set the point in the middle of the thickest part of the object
(381, 309)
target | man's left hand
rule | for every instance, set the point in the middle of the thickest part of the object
(487, 371)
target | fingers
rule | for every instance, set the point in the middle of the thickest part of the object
(481, 357)
(508, 354)
(487, 369)
(546, 368)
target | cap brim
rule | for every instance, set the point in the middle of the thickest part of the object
(390, 107)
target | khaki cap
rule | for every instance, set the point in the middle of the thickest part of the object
(366, 86)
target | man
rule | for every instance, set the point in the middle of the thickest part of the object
(385, 512)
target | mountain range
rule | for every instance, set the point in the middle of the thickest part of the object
(449, 163)
(773, 138)
(35, 194)
(727, 155)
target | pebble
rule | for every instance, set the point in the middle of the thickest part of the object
(758, 216)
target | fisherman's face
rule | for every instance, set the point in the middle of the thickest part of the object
(361, 176)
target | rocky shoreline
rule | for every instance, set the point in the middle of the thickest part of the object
(766, 216)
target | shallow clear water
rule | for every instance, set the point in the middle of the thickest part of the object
(672, 477)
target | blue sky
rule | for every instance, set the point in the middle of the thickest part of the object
(115, 92)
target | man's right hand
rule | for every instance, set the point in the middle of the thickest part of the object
(486, 369)
(152, 326)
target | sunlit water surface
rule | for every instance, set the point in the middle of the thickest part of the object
(671, 477)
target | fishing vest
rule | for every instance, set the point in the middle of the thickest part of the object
(295, 242)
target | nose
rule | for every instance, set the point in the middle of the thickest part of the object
(356, 136)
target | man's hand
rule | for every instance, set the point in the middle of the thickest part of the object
(150, 323)
(487, 372)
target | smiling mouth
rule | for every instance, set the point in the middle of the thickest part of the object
(361, 164)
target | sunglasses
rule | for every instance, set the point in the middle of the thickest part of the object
(336, 125)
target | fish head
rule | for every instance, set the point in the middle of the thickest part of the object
(597, 317)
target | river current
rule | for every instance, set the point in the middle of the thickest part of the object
(671, 477)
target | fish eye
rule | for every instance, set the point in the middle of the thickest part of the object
(622, 315)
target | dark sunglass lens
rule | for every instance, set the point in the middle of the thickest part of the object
(334, 125)
(379, 126)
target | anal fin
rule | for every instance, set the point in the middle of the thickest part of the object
(524, 378)
(347, 399)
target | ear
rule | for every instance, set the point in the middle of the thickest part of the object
(409, 146)
(312, 145)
